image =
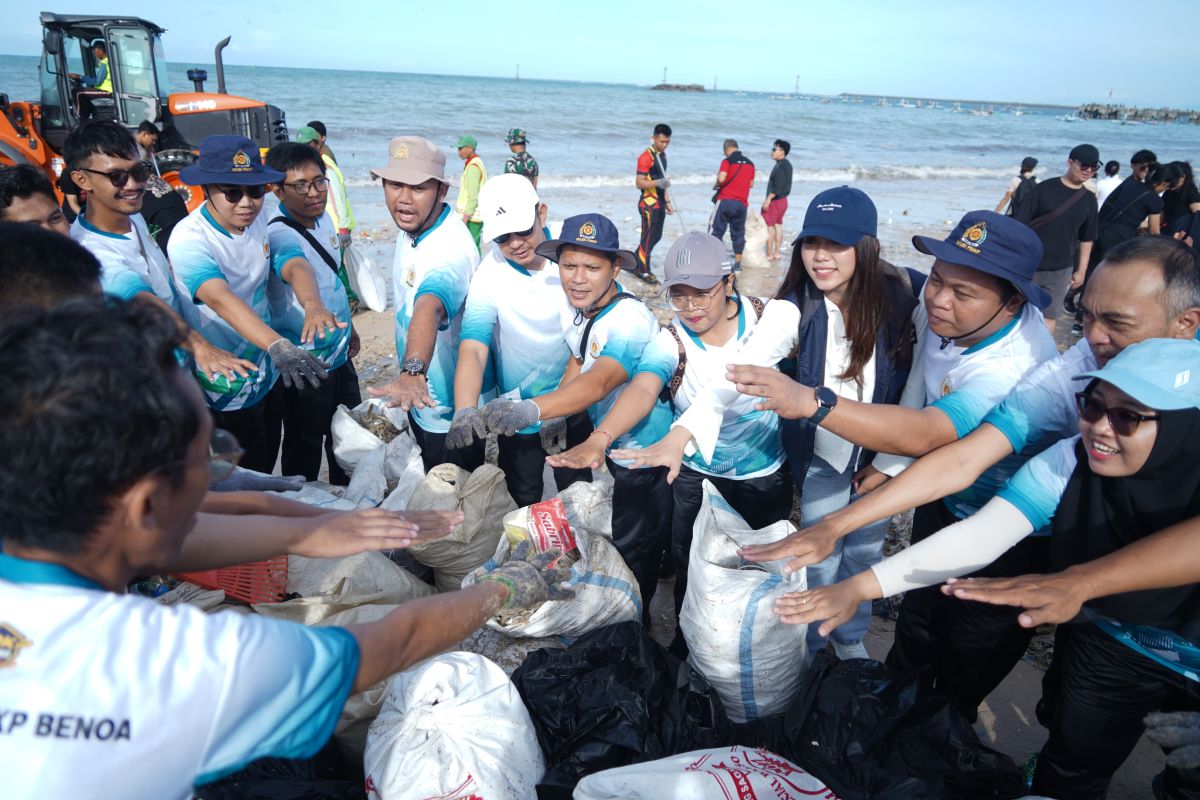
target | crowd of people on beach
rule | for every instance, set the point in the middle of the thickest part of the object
(141, 365)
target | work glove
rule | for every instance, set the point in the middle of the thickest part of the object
(465, 428)
(242, 479)
(506, 417)
(1179, 732)
(529, 578)
(295, 365)
(554, 435)
(662, 183)
(343, 238)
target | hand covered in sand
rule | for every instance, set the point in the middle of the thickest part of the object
(407, 392)
(530, 579)
(345, 533)
(832, 606)
(780, 393)
(666, 452)
(806, 546)
(1052, 598)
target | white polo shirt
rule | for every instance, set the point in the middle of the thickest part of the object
(201, 250)
(439, 262)
(129, 263)
(516, 313)
(287, 315)
(748, 445)
(107, 695)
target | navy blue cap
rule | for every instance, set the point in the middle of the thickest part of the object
(994, 244)
(842, 214)
(229, 160)
(592, 231)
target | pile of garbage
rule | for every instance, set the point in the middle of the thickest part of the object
(573, 697)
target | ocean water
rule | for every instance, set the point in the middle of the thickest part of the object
(923, 167)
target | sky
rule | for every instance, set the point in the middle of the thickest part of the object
(1062, 52)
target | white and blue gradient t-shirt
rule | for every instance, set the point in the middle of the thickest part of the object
(748, 445)
(98, 678)
(621, 331)
(131, 263)
(516, 313)
(439, 262)
(287, 315)
(201, 250)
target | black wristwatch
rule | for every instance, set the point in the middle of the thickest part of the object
(414, 366)
(826, 400)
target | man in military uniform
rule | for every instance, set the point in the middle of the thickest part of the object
(521, 162)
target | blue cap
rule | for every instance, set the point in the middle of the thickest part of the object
(230, 160)
(842, 214)
(996, 245)
(1157, 373)
(593, 231)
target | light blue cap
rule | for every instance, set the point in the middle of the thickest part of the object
(1163, 374)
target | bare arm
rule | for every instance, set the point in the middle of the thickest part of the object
(468, 374)
(1154, 223)
(1085, 253)
(1003, 202)
(720, 180)
(587, 388)
(216, 294)
(631, 407)
(318, 320)
(887, 428)
(209, 358)
(644, 181)
(412, 391)
(243, 502)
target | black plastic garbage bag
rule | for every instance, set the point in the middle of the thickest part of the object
(868, 731)
(615, 697)
(326, 776)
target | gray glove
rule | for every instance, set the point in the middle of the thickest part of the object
(242, 479)
(1178, 732)
(554, 435)
(506, 417)
(295, 365)
(529, 580)
(662, 183)
(465, 428)
(343, 239)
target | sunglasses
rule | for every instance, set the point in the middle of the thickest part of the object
(503, 239)
(234, 194)
(1090, 167)
(1123, 421)
(120, 177)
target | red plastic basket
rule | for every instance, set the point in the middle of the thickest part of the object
(256, 582)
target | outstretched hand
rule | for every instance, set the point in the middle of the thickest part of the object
(832, 606)
(1055, 598)
(346, 533)
(530, 578)
(666, 452)
(779, 393)
(806, 546)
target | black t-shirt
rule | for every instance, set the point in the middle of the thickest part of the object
(1130, 203)
(1190, 225)
(780, 182)
(1176, 202)
(1077, 224)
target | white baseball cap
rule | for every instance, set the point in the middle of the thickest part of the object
(508, 204)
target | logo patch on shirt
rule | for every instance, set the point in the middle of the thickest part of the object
(12, 642)
(332, 240)
(401, 152)
(412, 278)
(595, 348)
(973, 237)
(266, 250)
(241, 162)
(946, 387)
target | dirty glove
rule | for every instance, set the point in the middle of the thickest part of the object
(465, 428)
(506, 417)
(662, 183)
(247, 480)
(295, 365)
(1178, 732)
(529, 580)
(343, 238)
(554, 435)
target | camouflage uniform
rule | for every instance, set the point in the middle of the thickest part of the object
(522, 164)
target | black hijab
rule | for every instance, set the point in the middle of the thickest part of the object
(1098, 516)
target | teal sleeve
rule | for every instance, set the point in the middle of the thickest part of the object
(626, 352)
(284, 695)
(284, 253)
(123, 283)
(479, 318)
(657, 360)
(195, 265)
(964, 408)
(1038, 486)
(445, 286)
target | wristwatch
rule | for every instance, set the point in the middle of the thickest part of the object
(826, 400)
(414, 366)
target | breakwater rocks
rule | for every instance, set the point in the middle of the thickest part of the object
(1127, 114)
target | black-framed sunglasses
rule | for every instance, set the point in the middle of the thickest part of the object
(1093, 167)
(1123, 421)
(119, 177)
(234, 194)
(525, 234)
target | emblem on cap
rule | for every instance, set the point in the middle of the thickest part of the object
(683, 258)
(241, 162)
(12, 642)
(972, 237)
(1182, 378)
(401, 152)
(587, 232)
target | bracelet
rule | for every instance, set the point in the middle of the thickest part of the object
(604, 433)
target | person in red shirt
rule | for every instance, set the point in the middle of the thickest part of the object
(654, 204)
(734, 179)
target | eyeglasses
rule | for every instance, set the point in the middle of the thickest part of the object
(699, 301)
(120, 177)
(234, 194)
(1123, 421)
(304, 187)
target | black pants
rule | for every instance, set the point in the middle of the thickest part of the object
(652, 229)
(524, 462)
(641, 523)
(256, 429)
(761, 502)
(307, 415)
(962, 648)
(731, 214)
(1105, 689)
(434, 450)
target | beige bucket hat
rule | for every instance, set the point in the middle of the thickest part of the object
(413, 160)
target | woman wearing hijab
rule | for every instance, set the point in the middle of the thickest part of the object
(1133, 471)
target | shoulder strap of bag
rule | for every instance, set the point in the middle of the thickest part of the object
(303, 231)
(758, 305)
(1127, 206)
(1058, 212)
(667, 395)
(587, 329)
